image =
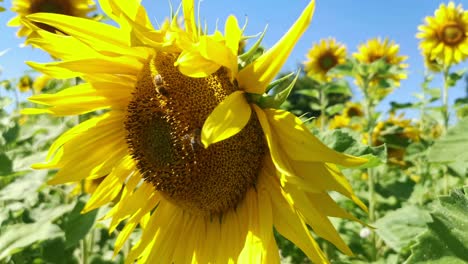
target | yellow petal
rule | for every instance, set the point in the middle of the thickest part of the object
(287, 221)
(260, 226)
(256, 76)
(74, 68)
(300, 144)
(102, 37)
(85, 98)
(110, 187)
(188, 7)
(315, 218)
(193, 64)
(227, 119)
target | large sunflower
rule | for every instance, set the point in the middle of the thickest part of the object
(206, 173)
(322, 57)
(78, 8)
(376, 49)
(445, 35)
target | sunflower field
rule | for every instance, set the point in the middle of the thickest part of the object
(128, 139)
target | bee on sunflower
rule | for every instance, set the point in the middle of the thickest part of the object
(190, 144)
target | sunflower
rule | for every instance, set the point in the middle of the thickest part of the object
(25, 83)
(349, 118)
(205, 173)
(376, 49)
(78, 8)
(1, 7)
(397, 133)
(322, 57)
(445, 35)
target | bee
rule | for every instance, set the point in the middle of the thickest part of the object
(159, 85)
(194, 139)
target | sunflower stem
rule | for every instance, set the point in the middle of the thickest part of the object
(445, 109)
(446, 116)
(370, 178)
(322, 109)
(84, 251)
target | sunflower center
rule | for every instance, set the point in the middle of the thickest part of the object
(328, 61)
(452, 34)
(164, 121)
(50, 6)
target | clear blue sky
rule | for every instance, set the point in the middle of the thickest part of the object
(350, 22)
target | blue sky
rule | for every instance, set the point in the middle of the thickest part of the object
(350, 22)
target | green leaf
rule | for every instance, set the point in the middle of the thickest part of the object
(4, 102)
(309, 92)
(397, 106)
(334, 109)
(77, 225)
(346, 68)
(254, 52)
(15, 237)
(453, 146)
(400, 227)
(6, 165)
(338, 87)
(344, 141)
(455, 76)
(446, 240)
(23, 186)
(280, 94)
(434, 93)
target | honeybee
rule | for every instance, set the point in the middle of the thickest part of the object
(159, 85)
(194, 138)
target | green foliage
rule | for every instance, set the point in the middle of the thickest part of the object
(451, 147)
(400, 227)
(280, 90)
(446, 240)
(346, 141)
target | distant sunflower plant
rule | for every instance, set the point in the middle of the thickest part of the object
(78, 8)
(322, 58)
(397, 133)
(444, 43)
(189, 145)
(381, 67)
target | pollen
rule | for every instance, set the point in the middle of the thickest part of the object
(163, 124)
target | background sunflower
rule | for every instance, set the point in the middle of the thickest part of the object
(444, 37)
(322, 57)
(78, 8)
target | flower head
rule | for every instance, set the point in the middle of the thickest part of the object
(444, 37)
(322, 57)
(78, 8)
(397, 133)
(350, 117)
(376, 49)
(203, 171)
(25, 83)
